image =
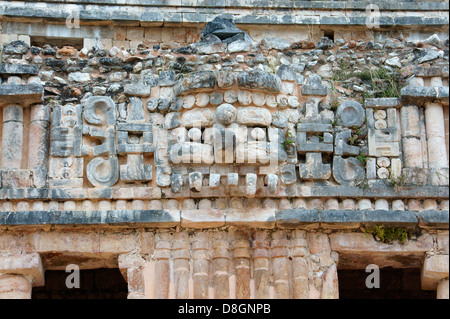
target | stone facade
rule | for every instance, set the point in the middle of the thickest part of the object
(210, 160)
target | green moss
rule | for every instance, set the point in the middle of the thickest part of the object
(389, 235)
(289, 142)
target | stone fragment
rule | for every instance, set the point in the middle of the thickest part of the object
(176, 183)
(214, 181)
(395, 62)
(347, 171)
(79, 77)
(314, 169)
(197, 118)
(137, 89)
(341, 146)
(274, 43)
(233, 179)
(314, 86)
(11, 69)
(135, 169)
(195, 80)
(202, 99)
(287, 73)
(166, 78)
(216, 98)
(226, 79)
(103, 173)
(288, 174)
(254, 116)
(350, 113)
(259, 80)
(428, 55)
(244, 97)
(226, 114)
(195, 181)
(250, 185)
(16, 47)
(272, 183)
(239, 46)
(221, 27)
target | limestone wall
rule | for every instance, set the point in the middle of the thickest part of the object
(228, 166)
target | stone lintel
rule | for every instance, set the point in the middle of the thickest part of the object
(426, 94)
(28, 265)
(23, 94)
(265, 218)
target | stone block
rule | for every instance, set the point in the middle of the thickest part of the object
(435, 268)
(259, 80)
(251, 217)
(202, 218)
(25, 265)
(195, 80)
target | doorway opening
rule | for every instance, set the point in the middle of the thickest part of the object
(395, 283)
(102, 283)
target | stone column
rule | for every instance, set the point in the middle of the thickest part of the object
(442, 289)
(241, 248)
(300, 271)
(132, 269)
(434, 275)
(38, 146)
(434, 119)
(12, 137)
(201, 261)
(280, 265)
(18, 274)
(162, 266)
(181, 272)
(221, 260)
(261, 265)
(412, 146)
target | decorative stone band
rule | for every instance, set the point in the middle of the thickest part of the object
(312, 12)
(382, 191)
(422, 95)
(201, 219)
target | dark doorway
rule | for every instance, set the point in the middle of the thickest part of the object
(394, 284)
(102, 283)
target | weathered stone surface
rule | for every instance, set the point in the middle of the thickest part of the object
(197, 117)
(259, 80)
(194, 81)
(220, 27)
(294, 218)
(435, 268)
(8, 68)
(137, 89)
(25, 265)
(16, 47)
(350, 113)
(274, 43)
(347, 171)
(314, 86)
(25, 94)
(226, 114)
(253, 116)
(260, 218)
(314, 169)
